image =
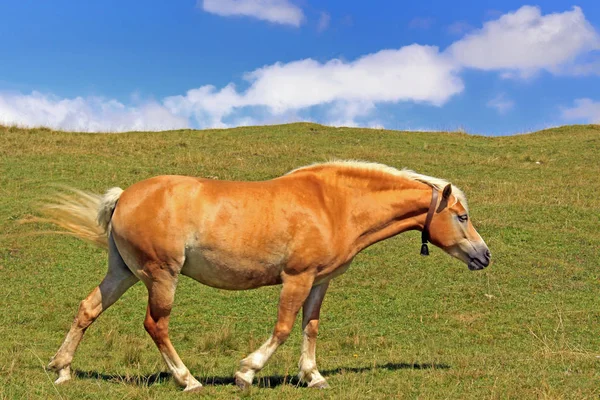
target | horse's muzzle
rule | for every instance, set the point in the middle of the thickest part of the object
(480, 262)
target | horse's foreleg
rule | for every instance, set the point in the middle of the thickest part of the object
(161, 292)
(117, 280)
(293, 294)
(310, 326)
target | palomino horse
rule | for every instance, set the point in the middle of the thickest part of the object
(300, 230)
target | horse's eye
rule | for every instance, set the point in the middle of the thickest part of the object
(463, 218)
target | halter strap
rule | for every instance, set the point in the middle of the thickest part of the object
(430, 212)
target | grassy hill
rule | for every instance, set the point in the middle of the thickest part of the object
(396, 325)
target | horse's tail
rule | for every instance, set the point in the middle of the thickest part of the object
(82, 214)
(107, 206)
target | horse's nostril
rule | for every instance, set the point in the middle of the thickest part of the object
(488, 255)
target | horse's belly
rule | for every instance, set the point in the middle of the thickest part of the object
(227, 271)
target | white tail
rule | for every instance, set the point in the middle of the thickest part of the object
(83, 214)
(107, 205)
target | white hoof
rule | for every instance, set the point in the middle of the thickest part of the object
(242, 381)
(64, 375)
(319, 384)
(193, 386)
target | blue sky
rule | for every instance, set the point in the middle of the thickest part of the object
(494, 67)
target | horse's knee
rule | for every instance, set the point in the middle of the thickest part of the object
(312, 329)
(85, 315)
(158, 330)
(282, 333)
(152, 327)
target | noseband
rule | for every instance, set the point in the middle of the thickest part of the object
(430, 212)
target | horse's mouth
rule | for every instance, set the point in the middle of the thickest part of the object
(476, 265)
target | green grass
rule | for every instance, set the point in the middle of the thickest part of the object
(396, 325)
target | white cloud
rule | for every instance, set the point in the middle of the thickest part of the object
(276, 11)
(324, 20)
(412, 73)
(346, 113)
(90, 114)
(501, 104)
(525, 41)
(586, 110)
(207, 105)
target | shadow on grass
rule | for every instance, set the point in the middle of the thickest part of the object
(262, 381)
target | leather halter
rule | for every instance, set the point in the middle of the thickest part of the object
(430, 212)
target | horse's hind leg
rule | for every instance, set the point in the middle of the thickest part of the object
(295, 290)
(161, 292)
(117, 280)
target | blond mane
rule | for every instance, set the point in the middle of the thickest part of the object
(436, 183)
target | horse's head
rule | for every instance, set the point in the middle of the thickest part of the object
(450, 229)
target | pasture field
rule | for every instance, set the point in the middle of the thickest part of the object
(396, 325)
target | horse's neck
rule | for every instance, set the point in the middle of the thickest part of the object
(376, 215)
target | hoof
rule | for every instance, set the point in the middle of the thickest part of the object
(64, 375)
(62, 379)
(241, 382)
(320, 384)
(194, 388)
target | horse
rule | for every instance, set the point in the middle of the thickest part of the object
(299, 230)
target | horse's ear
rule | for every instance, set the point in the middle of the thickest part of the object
(447, 192)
